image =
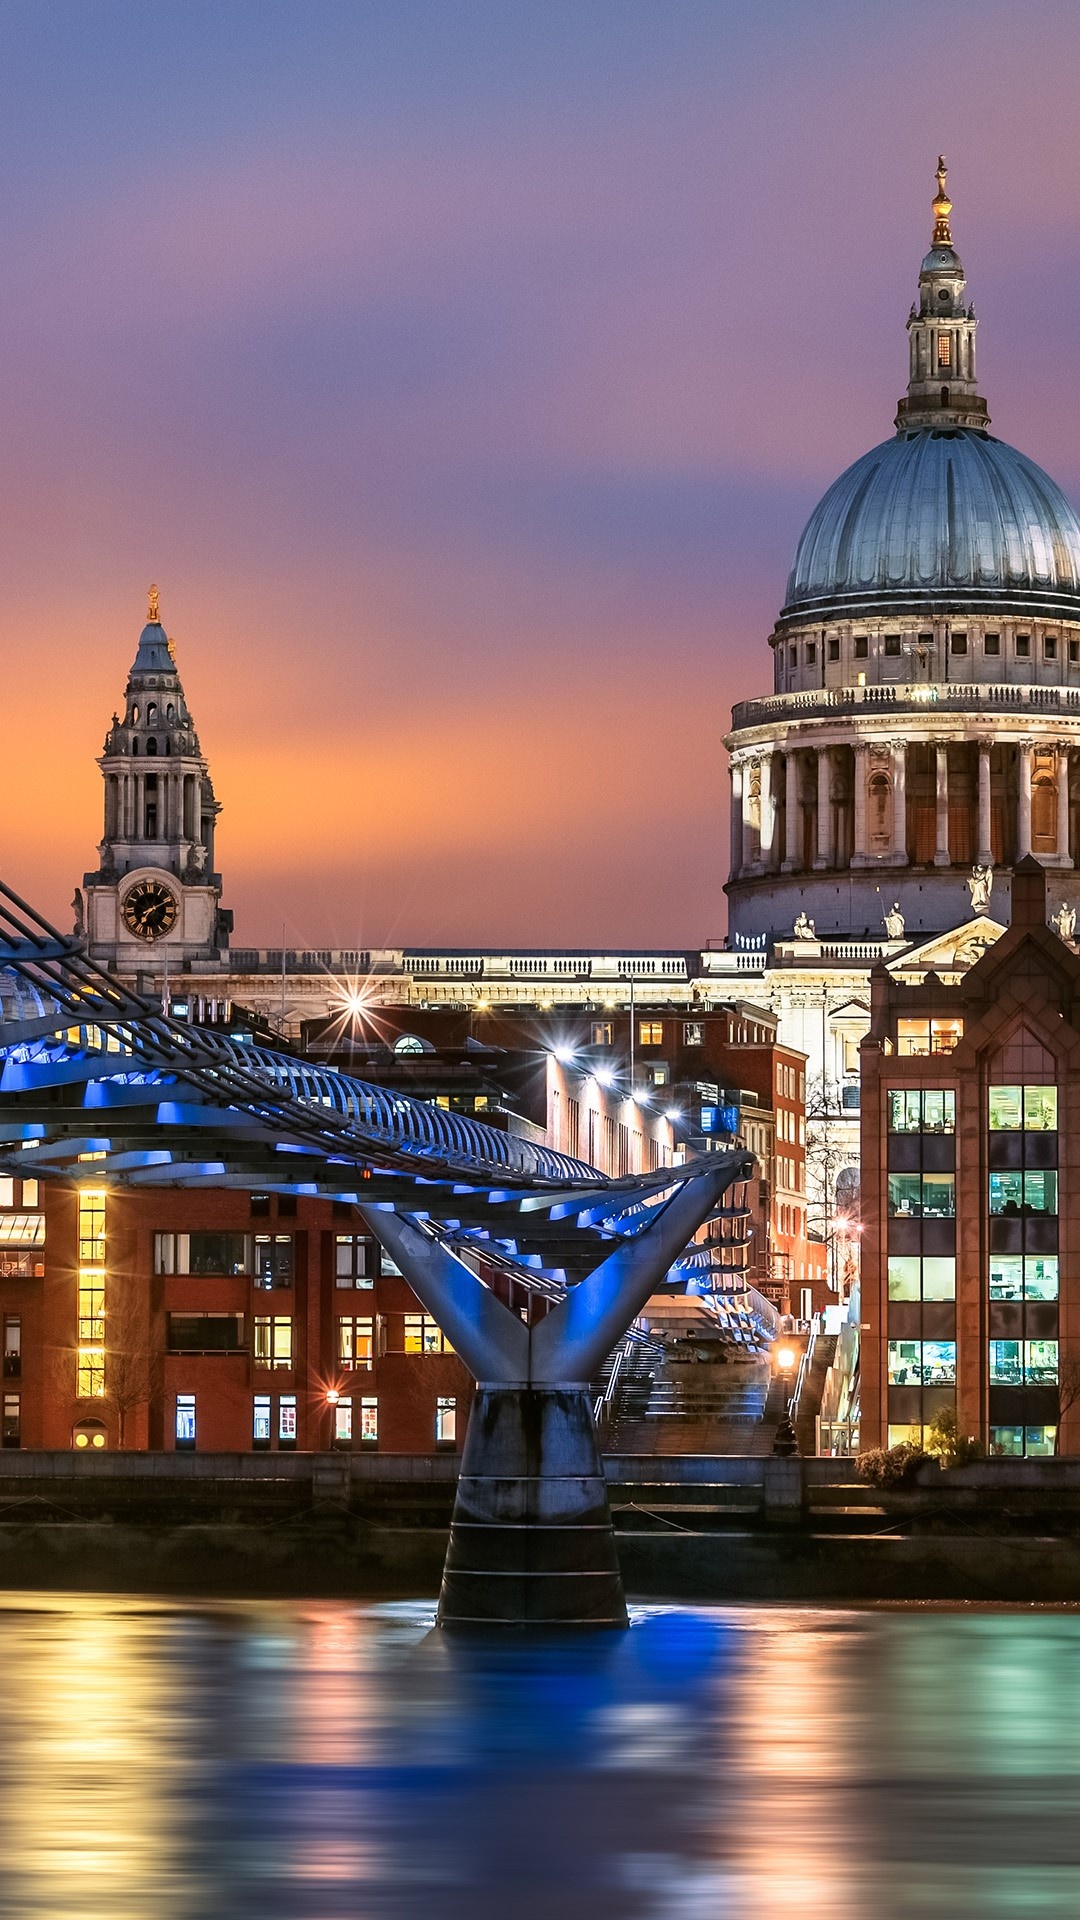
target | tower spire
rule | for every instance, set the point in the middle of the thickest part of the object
(943, 206)
(942, 394)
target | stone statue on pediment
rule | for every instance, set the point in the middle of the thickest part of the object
(804, 928)
(1064, 921)
(894, 922)
(980, 885)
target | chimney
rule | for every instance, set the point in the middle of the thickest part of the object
(1029, 894)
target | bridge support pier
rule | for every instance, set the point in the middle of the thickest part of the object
(531, 1541)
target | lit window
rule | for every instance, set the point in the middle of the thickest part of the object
(260, 1427)
(355, 1340)
(7, 1192)
(1023, 1363)
(408, 1043)
(601, 1033)
(693, 1033)
(355, 1260)
(369, 1422)
(273, 1340)
(185, 1422)
(1015, 1276)
(445, 1423)
(929, 1195)
(220, 1254)
(12, 1423)
(12, 1346)
(922, 1363)
(287, 1421)
(922, 1110)
(650, 1033)
(1034, 1442)
(912, 1278)
(1019, 1194)
(928, 1036)
(423, 1334)
(1032, 1108)
(273, 1260)
(944, 350)
(343, 1422)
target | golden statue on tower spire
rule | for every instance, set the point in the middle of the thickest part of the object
(153, 616)
(943, 206)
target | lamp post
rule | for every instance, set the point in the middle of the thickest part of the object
(784, 1441)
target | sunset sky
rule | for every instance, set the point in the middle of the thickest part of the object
(464, 374)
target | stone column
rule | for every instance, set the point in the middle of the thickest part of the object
(899, 846)
(747, 860)
(736, 818)
(984, 856)
(941, 847)
(1063, 806)
(1023, 804)
(791, 815)
(824, 808)
(767, 815)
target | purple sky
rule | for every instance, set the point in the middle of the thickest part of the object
(464, 374)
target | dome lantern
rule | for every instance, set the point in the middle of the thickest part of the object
(942, 390)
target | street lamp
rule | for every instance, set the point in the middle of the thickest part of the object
(784, 1440)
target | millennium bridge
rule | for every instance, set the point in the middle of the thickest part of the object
(88, 1067)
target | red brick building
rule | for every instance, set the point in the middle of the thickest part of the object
(235, 1321)
(971, 1193)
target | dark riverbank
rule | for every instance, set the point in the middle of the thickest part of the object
(691, 1529)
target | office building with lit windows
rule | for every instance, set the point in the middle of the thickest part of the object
(971, 1194)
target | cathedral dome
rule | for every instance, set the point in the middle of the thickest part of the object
(941, 511)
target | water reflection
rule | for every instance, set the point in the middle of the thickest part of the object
(317, 1761)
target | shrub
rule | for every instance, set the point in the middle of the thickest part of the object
(949, 1447)
(892, 1466)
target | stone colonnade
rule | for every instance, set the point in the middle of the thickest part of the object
(822, 808)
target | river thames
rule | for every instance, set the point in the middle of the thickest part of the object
(185, 1760)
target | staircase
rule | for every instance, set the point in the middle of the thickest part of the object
(812, 1387)
(695, 1407)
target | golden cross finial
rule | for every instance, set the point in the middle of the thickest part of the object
(943, 206)
(152, 614)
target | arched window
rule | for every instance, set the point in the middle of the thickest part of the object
(411, 1043)
(879, 812)
(170, 711)
(944, 396)
(151, 713)
(151, 746)
(134, 746)
(168, 744)
(134, 716)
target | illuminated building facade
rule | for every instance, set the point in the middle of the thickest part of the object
(971, 1194)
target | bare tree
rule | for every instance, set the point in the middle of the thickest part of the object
(829, 1157)
(1068, 1391)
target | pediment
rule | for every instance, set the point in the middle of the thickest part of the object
(949, 953)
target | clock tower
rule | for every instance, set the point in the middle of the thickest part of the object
(154, 901)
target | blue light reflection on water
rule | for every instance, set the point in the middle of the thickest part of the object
(311, 1761)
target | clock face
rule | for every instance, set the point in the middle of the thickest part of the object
(149, 910)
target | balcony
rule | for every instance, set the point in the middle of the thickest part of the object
(820, 703)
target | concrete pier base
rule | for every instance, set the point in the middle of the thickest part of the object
(531, 1541)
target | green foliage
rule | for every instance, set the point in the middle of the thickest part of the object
(892, 1466)
(948, 1446)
